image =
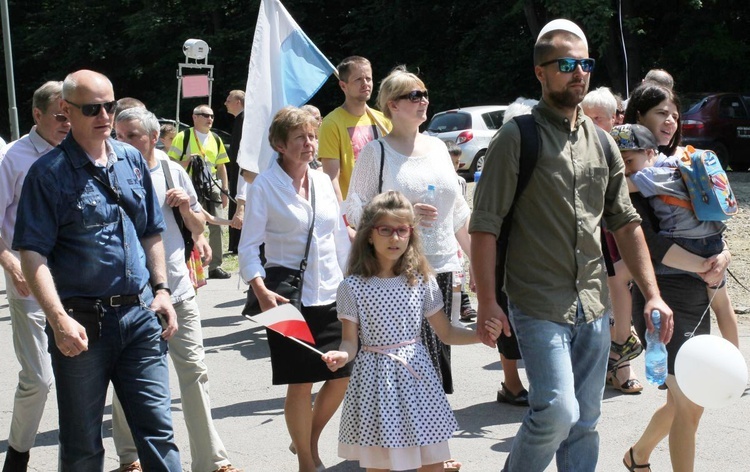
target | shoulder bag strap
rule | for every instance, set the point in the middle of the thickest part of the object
(186, 143)
(382, 163)
(607, 148)
(529, 155)
(170, 185)
(303, 264)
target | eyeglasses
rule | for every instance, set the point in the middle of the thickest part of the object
(93, 109)
(60, 118)
(387, 231)
(415, 96)
(206, 115)
(567, 65)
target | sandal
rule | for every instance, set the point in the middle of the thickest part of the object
(626, 351)
(633, 466)
(451, 465)
(630, 386)
(468, 314)
(506, 396)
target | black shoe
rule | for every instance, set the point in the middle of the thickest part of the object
(16, 461)
(505, 396)
(219, 273)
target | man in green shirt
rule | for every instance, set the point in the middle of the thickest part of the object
(555, 276)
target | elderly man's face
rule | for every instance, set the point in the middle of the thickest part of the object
(132, 132)
(52, 124)
(87, 106)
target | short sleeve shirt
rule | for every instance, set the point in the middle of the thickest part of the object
(91, 243)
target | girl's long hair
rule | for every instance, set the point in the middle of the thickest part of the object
(362, 258)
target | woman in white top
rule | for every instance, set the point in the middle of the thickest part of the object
(279, 213)
(412, 162)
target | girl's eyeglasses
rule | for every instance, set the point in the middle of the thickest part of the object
(387, 231)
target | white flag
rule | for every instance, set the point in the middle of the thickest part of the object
(285, 69)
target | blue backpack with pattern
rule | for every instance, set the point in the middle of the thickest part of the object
(711, 195)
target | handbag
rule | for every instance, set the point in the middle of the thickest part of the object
(283, 280)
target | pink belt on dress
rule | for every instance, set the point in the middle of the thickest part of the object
(384, 350)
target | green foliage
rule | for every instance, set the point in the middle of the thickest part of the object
(468, 53)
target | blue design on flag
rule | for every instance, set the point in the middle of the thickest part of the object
(304, 69)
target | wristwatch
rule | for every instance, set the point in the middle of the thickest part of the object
(161, 286)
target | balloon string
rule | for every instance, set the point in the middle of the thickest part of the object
(708, 308)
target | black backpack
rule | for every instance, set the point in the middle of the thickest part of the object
(527, 162)
(200, 172)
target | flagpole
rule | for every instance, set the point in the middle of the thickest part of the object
(301, 343)
(288, 337)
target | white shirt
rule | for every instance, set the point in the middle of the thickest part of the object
(411, 175)
(178, 277)
(15, 161)
(277, 214)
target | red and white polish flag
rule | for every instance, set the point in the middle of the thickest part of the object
(286, 320)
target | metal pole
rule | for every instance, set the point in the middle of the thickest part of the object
(624, 51)
(12, 108)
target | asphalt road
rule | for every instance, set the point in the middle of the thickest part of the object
(248, 410)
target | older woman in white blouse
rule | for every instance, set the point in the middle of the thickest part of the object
(411, 162)
(279, 212)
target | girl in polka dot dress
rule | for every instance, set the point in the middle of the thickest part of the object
(395, 415)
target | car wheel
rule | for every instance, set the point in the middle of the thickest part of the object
(723, 154)
(478, 163)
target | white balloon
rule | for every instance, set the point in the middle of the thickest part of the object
(710, 371)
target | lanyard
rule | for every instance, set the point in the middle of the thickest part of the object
(198, 143)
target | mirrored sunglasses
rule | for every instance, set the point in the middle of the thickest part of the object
(567, 65)
(93, 109)
(415, 96)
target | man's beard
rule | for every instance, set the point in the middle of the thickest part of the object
(567, 98)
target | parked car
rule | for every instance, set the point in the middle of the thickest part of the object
(471, 128)
(720, 122)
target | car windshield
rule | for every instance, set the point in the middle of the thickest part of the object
(493, 119)
(691, 103)
(449, 121)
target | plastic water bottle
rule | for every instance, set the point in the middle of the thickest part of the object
(656, 353)
(428, 233)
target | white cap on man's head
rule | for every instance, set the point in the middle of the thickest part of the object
(564, 25)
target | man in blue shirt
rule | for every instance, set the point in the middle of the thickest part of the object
(89, 235)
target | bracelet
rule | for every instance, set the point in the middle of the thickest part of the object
(161, 286)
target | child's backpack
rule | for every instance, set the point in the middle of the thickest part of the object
(711, 196)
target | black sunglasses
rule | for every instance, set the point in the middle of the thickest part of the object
(206, 115)
(93, 109)
(567, 65)
(415, 96)
(60, 118)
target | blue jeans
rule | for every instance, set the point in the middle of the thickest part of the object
(566, 366)
(132, 355)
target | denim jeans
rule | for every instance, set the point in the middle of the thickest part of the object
(187, 353)
(131, 355)
(566, 366)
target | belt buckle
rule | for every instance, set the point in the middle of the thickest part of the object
(114, 301)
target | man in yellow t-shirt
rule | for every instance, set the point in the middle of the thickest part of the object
(204, 143)
(347, 129)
